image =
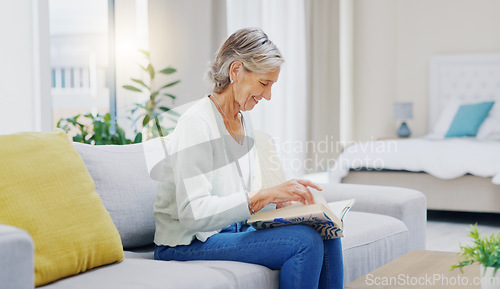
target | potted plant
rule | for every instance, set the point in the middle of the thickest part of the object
(486, 252)
(151, 112)
(94, 130)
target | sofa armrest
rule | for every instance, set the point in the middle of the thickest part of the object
(407, 205)
(16, 258)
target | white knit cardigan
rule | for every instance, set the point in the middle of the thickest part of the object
(202, 191)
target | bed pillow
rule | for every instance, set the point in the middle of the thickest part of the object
(490, 129)
(46, 190)
(445, 119)
(468, 119)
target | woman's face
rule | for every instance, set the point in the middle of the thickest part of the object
(249, 87)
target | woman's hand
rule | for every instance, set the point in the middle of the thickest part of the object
(292, 190)
(282, 205)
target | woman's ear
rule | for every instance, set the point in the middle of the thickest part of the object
(235, 69)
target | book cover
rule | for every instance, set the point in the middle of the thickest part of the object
(326, 218)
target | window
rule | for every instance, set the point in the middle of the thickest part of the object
(79, 57)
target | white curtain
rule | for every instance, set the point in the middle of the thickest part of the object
(323, 45)
(284, 118)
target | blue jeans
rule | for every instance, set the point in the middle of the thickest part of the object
(305, 260)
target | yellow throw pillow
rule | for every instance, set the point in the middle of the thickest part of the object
(46, 190)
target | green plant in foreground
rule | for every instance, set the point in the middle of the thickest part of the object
(485, 251)
(95, 130)
(153, 107)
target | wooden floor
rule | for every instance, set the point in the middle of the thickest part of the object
(447, 230)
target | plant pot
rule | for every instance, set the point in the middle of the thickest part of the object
(488, 281)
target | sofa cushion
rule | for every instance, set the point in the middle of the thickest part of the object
(125, 187)
(371, 240)
(16, 261)
(139, 273)
(46, 190)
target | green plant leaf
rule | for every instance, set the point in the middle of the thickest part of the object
(97, 133)
(484, 250)
(72, 121)
(153, 95)
(140, 82)
(168, 70)
(78, 138)
(158, 127)
(121, 140)
(173, 97)
(107, 117)
(170, 84)
(138, 138)
(146, 120)
(144, 52)
(132, 88)
(151, 71)
(143, 106)
(147, 110)
(173, 113)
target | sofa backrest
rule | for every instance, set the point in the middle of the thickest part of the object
(122, 178)
(125, 187)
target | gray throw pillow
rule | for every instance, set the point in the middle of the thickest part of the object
(125, 187)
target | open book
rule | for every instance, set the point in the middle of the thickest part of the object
(326, 218)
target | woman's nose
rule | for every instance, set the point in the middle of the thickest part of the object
(267, 94)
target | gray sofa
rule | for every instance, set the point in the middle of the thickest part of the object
(385, 223)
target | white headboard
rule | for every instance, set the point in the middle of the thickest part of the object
(468, 77)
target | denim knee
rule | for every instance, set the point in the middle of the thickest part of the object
(303, 269)
(308, 238)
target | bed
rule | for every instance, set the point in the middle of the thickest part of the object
(456, 173)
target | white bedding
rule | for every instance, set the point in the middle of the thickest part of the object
(444, 159)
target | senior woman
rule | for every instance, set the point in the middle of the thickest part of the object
(211, 185)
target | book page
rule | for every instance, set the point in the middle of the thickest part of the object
(335, 210)
(287, 212)
(340, 208)
(318, 197)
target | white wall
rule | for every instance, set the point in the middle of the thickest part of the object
(186, 34)
(24, 75)
(393, 40)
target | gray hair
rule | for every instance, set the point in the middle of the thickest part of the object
(252, 47)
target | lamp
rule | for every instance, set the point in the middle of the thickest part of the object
(403, 111)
